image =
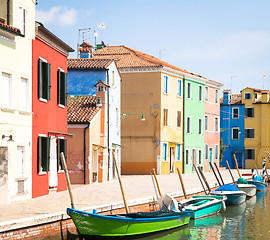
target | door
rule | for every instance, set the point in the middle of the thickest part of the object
(172, 159)
(53, 181)
(210, 155)
(194, 158)
(239, 157)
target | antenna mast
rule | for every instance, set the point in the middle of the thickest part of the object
(83, 31)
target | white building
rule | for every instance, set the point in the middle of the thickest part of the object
(17, 30)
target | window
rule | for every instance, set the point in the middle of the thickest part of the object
(112, 78)
(178, 148)
(250, 154)
(247, 96)
(216, 151)
(24, 95)
(165, 117)
(165, 151)
(179, 87)
(235, 133)
(200, 126)
(200, 157)
(206, 94)
(189, 90)
(188, 125)
(206, 149)
(22, 20)
(187, 157)
(256, 95)
(216, 96)
(44, 84)
(166, 84)
(6, 90)
(43, 154)
(216, 124)
(249, 112)
(249, 133)
(62, 88)
(178, 118)
(206, 123)
(235, 113)
(200, 93)
(20, 161)
(61, 147)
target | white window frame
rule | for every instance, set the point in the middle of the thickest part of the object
(27, 95)
(188, 125)
(253, 112)
(234, 128)
(43, 172)
(22, 23)
(10, 94)
(247, 94)
(233, 113)
(206, 94)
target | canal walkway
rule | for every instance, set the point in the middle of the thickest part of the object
(101, 196)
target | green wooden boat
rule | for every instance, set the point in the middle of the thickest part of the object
(94, 224)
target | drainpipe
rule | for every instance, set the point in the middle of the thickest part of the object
(84, 152)
(8, 12)
(108, 126)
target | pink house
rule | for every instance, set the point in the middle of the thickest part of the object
(212, 124)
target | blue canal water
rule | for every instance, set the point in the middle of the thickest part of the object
(250, 220)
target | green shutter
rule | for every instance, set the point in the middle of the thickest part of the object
(61, 147)
(62, 85)
(47, 154)
(43, 154)
(39, 154)
(49, 80)
(39, 78)
(44, 80)
(65, 89)
(59, 87)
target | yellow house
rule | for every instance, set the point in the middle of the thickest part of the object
(151, 111)
(257, 125)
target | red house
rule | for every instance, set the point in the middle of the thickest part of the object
(49, 111)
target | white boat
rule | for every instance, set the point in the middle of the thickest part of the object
(249, 189)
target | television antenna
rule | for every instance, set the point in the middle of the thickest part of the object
(101, 26)
(82, 31)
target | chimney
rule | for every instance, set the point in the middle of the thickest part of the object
(85, 50)
(226, 97)
(265, 96)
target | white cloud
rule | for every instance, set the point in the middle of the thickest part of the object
(57, 15)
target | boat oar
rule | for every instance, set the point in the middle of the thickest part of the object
(155, 176)
(182, 183)
(199, 178)
(62, 157)
(215, 173)
(204, 179)
(120, 183)
(219, 174)
(236, 163)
(230, 170)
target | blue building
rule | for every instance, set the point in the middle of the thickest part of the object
(232, 129)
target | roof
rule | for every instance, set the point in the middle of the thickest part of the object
(254, 89)
(81, 109)
(88, 63)
(214, 83)
(129, 58)
(101, 82)
(85, 47)
(235, 99)
(10, 29)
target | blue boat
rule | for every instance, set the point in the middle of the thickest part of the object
(258, 182)
(233, 194)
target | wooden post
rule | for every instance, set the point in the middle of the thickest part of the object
(230, 171)
(219, 174)
(236, 165)
(215, 173)
(62, 156)
(155, 176)
(120, 183)
(199, 178)
(204, 179)
(182, 183)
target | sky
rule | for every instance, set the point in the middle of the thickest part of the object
(223, 40)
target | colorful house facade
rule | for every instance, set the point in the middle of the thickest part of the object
(88, 76)
(211, 124)
(50, 131)
(17, 29)
(232, 125)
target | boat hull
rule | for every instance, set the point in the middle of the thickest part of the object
(202, 206)
(249, 189)
(114, 225)
(233, 197)
(260, 185)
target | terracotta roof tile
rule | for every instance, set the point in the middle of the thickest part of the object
(254, 89)
(81, 109)
(235, 99)
(85, 47)
(10, 28)
(88, 63)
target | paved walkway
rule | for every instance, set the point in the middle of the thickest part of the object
(137, 188)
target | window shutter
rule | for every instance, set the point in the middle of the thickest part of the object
(253, 154)
(43, 154)
(47, 154)
(59, 87)
(252, 110)
(64, 76)
(39, 78)
(49, 80)
(245, 133)
(252, 133)
(246, 112)
(61, 147)
(39, 154)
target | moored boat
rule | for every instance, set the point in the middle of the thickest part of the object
(258, 182)
(249, 189)
(233, 194)
(93, 224)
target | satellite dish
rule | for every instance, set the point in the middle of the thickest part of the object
(155, 106)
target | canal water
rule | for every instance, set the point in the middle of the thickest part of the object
(250, 220)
